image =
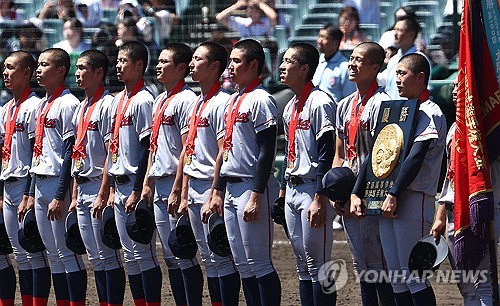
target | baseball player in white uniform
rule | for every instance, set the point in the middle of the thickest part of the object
(131, 115)
(408, 209)
(309, 123)
(54, 139)
(91, 126)
(204, 142)
(356, 121)
(18, 133)
(170, 125)
(247, 163)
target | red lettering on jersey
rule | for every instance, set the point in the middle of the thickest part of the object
(167, 120)
(203, 122)
(50, 123)
(303, 124)
(243, 117)
(93, 126)
(127, 121)
(19, 127)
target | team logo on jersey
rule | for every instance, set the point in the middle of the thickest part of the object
(127, 121)
(93, 126)
(243, 117)
(167, 120)
(19, 127)
(50, 123)
(304, 124)
(203, 122)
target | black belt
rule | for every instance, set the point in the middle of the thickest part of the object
(121, 179)
(12, 179)
(295, 180)
(81, 179)
(41, 176)
(233, 180)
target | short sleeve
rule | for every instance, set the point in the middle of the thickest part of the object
(144, 119)
(31, 122)
(67, 112)
(426, 128)
(264, 112)
(218, 118)
(182, 111)
(339, 118)
(323, 116)
(104, 127)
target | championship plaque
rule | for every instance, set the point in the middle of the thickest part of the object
(393, 140)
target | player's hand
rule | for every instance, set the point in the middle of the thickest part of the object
(174, 201)
(99, 203)
(55, 210)
(389, 207)
(26, 204)
(72, 206)
(316, 214)
(206, 211)
(147, 194)
(357, 207)
(214, 205)
(1, 204)
(252, 208)
(132, 200)
(183, 208)
(439, 226)
(111, 197)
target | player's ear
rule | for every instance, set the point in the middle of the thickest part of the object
(304, 69)
(182, 67)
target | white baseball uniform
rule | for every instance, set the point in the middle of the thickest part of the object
(312, 245)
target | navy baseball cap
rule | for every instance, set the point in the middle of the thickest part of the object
(426, 255)
(5, 246)
(217, 236)
(109, 232)
(338, 184)
(74, 240)
(28, 235)
(181, 241)
(141, 223)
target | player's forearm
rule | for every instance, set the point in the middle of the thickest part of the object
(326, 151)
(266, 140)
(143, 162)
(360, 186)
(65, 174)
(284, 166)
(74, 194)
(147, 180)
(339, 158)
(218, 165)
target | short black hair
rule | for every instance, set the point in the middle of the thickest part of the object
(181, 54)
(96, 59)
(333, 31)
(252, 50)
(216, 53)
(60, 57)
(374, 52)
(417, 63)
(307, 55)
(137, 52)
(411, 22)
(25, 60)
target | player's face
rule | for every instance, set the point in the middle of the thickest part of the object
(166, 70)
(85, 76)
(126, 68)
(360, 68)
(200, 67)
(406, 82)
(290, 68)
(326, 44)
(47, 72)
(14, 76)
(239, 68)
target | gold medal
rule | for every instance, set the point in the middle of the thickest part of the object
(78, 163)
(225, 155)
(5, 164)
(37, 160)
(153, 157)
(114, 157)
(291, 164)
(188, 160)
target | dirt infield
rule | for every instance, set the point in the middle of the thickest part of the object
(447, 294)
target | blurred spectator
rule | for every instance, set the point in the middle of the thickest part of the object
(448, 9)
(89, 12)
(30, 39)
(72, 43)
(57, 9)
(254, 25)
(111, 4)
(8, 11)
(165, 13)
(349, 25)
(132, 9)
(369, 10)
(332, 74)
(387, 39)
(126, 30)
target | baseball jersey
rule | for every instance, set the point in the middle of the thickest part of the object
(135, 125)
(57, 129)
(94, 142)
(366, 128)
(244, 26)
(174, 124)
(24, 131)
(448, 194)
(431, 124)
(316, 118)
(257, 112)
(210, 129)
(332, 76)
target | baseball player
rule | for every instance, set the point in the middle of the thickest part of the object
(356, 121)
(203, 144)
(131, 115)
(91, 127)
(18, 134)
(247, 162)
(408, 209)
(309, 125)
(444, 223)
(170, 116)
(54, 139)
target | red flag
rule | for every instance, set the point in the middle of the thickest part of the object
(473, 192)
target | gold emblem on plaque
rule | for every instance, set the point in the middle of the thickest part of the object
(386, 150)
(225, 155)
(189, 160)
(114, 157)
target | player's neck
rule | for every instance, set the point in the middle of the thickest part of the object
(90, 92)
(297, 88)
(49, 89)
(169, 86)
(205, 85)
(363, 87)
(18, 92)
(129, 85)
(245, 83)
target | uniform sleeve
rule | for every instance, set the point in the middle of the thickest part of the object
(182, 111)
(218, 118)
(323, 116)
(264, 113)
(110, 117)
(31, 122)
(2, 124)
(67, 112)
(286, 119)
(339, 121)
(426, 128)
(104, 126)
(144, 119)
(74, 119)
